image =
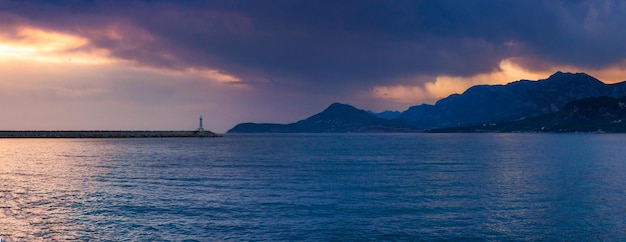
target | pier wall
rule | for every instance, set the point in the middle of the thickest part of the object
(105, 134)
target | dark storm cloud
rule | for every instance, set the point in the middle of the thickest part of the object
(343, 44)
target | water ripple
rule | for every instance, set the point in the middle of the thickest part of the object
(315, 188)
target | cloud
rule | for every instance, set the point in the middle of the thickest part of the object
(442, 86)
(371, 53)
(215, 75)
(508, 71)
(51, 95)
(402, 94)
(511, 69)
(31, 43)
(343, 42)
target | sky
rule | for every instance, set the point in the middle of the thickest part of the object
(158, 65)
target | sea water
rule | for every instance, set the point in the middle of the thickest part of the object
(325, 187)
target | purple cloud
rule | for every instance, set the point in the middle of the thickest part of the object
(325, 51)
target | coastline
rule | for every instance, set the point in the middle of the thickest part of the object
(105, 134)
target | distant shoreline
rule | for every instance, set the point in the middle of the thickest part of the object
(105, 134)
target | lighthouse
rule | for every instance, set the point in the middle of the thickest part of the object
(200, 125)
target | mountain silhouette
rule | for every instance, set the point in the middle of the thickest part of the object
(478, 106)
(517, 100)
(595, 114)
(337, 118)
(387, 114)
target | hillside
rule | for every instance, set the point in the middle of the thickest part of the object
(530, 102)
(597, 114)
(513, 101)
(337, 118)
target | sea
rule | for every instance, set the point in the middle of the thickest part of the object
(316, 187)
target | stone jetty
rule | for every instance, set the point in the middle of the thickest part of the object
(107, 134)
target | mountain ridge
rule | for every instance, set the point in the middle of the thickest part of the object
(336, 118)
(387, 114)
(477, 105)
(594, 114)
(515, 100)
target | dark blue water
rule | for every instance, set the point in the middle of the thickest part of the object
(316, 188)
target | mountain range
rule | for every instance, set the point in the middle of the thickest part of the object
(516, 100)
(337, 118)
(595, 114)
(479, 105)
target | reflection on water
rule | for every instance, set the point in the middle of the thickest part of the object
(43, 184)
(315, 187)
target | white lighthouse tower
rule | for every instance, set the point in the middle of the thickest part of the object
(200, 125)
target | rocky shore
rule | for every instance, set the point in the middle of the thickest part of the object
(106, 134)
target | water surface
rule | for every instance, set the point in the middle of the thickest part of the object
(315, 187)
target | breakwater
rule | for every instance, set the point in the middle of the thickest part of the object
(106, 134)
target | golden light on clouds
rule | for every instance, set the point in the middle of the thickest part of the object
(215, 75)
(444, 85)
(401, 93)
(34, 44)
(46, 41)
(611, 74)
(11, 51)
(510, 70)
(199, 74)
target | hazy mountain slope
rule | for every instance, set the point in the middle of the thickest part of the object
(596, 114)
(516, 100)
(337, 118)
(482, 104)
(389, 115)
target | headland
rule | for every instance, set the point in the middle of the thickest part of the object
(106, 134)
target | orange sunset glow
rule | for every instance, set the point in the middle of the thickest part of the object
(158, 65)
